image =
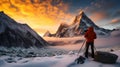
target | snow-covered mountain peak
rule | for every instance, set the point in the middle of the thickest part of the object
(81, 16)
(1, 12)
(13, 34)
(79, 26)
(81, 12)
(3, 15)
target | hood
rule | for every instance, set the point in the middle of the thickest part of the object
(91, 29)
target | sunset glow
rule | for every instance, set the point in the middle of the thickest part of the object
(43, 15)
(39, 15)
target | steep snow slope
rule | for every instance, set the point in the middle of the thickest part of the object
(13, 34)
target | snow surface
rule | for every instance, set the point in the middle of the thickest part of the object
(55, 61)
(60, 55)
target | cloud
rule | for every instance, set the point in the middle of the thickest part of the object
(116, 20)
(100, 10)
(104, 4)
(37, 13)
(116, 14)
(97, 16)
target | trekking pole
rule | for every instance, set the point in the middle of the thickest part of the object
(81, 47)
(95, 50)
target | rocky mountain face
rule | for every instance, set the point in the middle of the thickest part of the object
(79, 26)
(13, 34)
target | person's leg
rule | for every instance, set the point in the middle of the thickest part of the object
(86, 52)
(92, 49)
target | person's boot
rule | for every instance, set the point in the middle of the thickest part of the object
(86, 55)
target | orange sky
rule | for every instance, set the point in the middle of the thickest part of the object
(43, 15)
(40, 16)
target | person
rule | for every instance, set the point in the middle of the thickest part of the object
(90, 35)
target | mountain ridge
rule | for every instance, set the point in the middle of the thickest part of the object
(79, 26)
(13, 34)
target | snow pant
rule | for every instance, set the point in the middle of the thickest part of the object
(87, 47)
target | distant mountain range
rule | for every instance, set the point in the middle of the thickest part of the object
(13, 34)
(77, 28)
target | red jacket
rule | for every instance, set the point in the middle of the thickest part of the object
(90, 35)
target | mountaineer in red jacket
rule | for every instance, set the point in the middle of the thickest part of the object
(90, 35)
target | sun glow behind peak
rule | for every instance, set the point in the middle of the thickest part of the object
(41, 15)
